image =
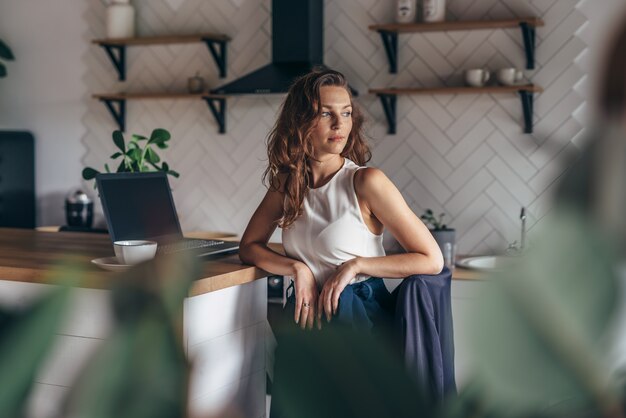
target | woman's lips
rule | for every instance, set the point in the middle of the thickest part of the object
(336, 138)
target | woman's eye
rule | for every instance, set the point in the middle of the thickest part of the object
(346, 114)
(325, 114)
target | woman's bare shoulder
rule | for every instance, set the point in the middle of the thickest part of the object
(369, 180)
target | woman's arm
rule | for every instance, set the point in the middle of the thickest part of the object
(253, 250)
(387, 207)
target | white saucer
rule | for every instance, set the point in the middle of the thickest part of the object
(110, 263)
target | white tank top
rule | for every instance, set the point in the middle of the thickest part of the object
(331, 229)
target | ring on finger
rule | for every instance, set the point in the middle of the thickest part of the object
(306, 305)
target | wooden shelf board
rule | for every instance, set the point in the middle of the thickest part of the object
(459, 90)
(127, 96)
(162, 40)
(457, 25)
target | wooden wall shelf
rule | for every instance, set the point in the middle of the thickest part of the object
(124, 96)
(389, 34)
(459, 90)
(162, 40)
(116, 48)
(116, 104)
(388, 98)
(457, 25)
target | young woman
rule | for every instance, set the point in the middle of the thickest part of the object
(332, 209)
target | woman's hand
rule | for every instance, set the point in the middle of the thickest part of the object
(306, 297)
(329, 296)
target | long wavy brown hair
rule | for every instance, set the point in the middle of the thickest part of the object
(288, 144)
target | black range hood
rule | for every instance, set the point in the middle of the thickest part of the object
(297, 47)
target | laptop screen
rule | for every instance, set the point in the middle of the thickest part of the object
(138, 205)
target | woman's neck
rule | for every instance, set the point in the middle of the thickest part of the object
(323, 170)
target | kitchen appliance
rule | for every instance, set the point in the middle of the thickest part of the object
(297, 47)
(17, 179)
(78, 209)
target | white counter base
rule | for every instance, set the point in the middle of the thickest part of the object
(224, 337)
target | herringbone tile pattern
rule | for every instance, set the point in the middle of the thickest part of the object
(463, 155)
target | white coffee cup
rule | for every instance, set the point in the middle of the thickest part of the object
(134, 251)
(509, 76)
(477, 77)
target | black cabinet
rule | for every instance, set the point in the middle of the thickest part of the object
(17, 179)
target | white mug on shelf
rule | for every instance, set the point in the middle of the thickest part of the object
(405, 11)
(509, 76)
(477, 77)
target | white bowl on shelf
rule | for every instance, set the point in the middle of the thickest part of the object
(486, 262)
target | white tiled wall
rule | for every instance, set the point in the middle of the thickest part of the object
(464, 155)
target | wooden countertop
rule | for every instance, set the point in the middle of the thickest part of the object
(28, 256)
(465, 274)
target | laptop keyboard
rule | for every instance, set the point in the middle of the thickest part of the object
(187, 245)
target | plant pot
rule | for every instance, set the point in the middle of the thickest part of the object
(443, 237)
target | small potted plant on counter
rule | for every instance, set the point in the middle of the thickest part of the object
(135, 157)
(442, 234)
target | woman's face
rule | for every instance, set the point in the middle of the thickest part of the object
(334, 122)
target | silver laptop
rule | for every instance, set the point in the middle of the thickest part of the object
(140, 206)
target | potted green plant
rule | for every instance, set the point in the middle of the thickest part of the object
(442, 234)
(135, 156)
(5, 54)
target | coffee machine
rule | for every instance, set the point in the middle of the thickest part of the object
(79, 209)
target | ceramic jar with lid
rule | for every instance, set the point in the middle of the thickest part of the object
(406, 11)
(120, 19)
(195, 84)
(433, 10)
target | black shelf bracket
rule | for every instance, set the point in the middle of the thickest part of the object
(117, 55)
(218, 109)
(528, 33)
(389, 106)
(218, 51)
(527, 105)
(119, 113)
(390, 41)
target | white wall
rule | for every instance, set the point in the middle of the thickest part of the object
(432, 159)
(44, 92)
(596, 33)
